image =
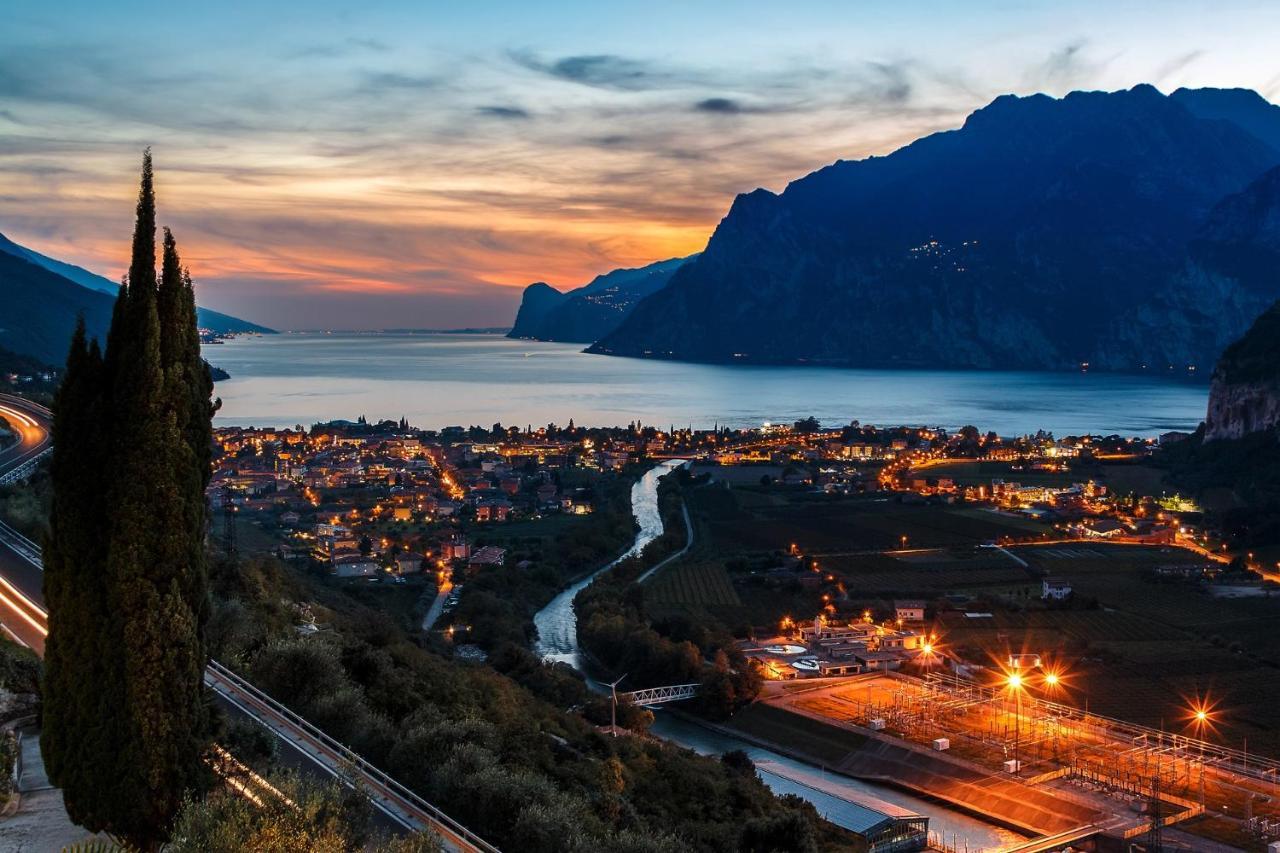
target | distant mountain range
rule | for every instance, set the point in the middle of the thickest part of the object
(1127, 230)
(587, 313)
(42, 297)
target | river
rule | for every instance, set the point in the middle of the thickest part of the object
(557, 623)
(438, 380)
(558, 641)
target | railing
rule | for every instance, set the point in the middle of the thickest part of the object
(661, 695)
(25, 548)
(410, 802)
(23, 471)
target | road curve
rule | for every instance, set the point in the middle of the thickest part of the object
(303, 746)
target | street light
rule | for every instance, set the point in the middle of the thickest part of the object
(1015, 684)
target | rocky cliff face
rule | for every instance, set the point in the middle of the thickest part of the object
(1244, 396)
(590, 312)
(1043, 234)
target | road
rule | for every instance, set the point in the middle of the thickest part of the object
(688, 543)
(302, 745)
(21, 577)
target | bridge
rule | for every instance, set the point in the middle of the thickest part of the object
(660, 695)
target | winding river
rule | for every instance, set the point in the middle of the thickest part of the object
(830, 794)
(557, 623)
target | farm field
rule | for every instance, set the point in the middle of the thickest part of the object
(932, 573)
(690, 585)
(745, 519)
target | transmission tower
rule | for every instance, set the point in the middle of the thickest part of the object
(1155, 841)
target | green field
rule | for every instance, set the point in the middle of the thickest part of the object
(930, 574)
(744, 520)
(692, 585)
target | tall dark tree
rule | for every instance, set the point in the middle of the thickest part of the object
(148, 723)
(78, 751)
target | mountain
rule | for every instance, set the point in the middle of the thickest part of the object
(1042, 234)
(587, 313)
(212, 320)
(1232, 462)
(1244, 396)
(1244, 108)
(40, 310)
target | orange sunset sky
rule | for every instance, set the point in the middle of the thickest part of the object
(373, 165)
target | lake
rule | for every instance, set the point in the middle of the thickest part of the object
(438, 380)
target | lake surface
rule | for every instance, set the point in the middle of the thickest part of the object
(438, 380)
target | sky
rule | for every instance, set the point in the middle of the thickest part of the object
(415, 164)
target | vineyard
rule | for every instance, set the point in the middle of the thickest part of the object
(691, 585)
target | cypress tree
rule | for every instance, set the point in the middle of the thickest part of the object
(78, 752)
(149, 724)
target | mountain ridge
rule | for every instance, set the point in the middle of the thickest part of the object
(587, 313)
(214, 321)
(1042, 234)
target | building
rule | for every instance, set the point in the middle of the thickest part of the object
(489, 555)
(354, 566)
(883, 827)
(1055, 589)
(909, 610)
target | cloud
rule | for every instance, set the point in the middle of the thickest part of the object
(1066, 68)
(608, 71)
(719, 106)
(1175, 65)
(381, 81)
(337, 50)
(507, 112)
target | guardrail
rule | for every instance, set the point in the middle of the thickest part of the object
(27, 549)
(23, 471)
(410, 803)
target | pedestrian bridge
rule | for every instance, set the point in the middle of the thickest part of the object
(660, 695)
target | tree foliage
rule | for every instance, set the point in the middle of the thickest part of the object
(126, 720)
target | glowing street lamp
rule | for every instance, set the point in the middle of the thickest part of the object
(1015, 683)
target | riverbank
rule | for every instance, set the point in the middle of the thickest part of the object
(557, 623)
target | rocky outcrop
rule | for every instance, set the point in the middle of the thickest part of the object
(1244, 396)
(1043, 234)
(590, 312)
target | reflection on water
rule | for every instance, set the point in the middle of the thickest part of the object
(557, 623)
(441, 380)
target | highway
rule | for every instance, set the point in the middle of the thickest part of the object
(302, 745)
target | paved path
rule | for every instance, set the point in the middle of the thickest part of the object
(437, 607)
(688, 527)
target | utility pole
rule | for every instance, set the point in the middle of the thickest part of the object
(228, 523)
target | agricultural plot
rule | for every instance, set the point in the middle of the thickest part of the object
(929, 573)
(738, 521)
(690, 584)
